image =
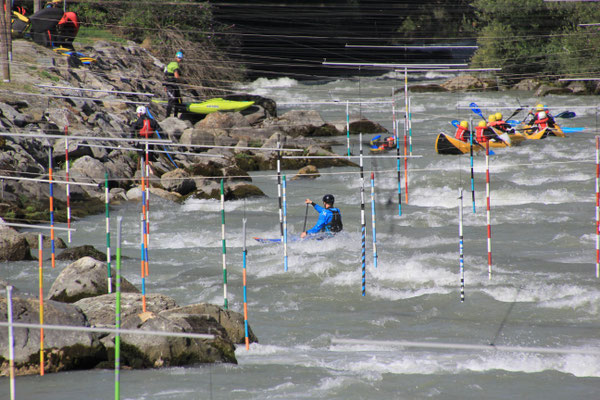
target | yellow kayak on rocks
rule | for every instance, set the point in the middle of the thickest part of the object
(217, 104)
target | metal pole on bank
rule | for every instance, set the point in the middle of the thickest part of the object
(41, 300)
(118, 314)
(398, 168)
(362, 218)
(279, 186)
(373, 219)
(244, 257)
(597, 206)
(51, 206)
(406, 159)
(67, 179)
(285, 236)
(348, 127)
(108, 257)
(471, 151)
(488, 208)
(11, 342)
(461, 245)
(224, 246)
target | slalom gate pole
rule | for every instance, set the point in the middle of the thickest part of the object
(279, 186)
(394, 132)
(285, 238)
(225, 305)
(373, 219)
(147, 167)
(348, 127)
(362, 218)
(118, 314)
(488, 209)
(51, 206)
(68, 186)
(41, 300)
(11, 342)
(409, 126)
(405, 159)
(106, 210)
(597, 206)
(461, 245)
(472, 174)
(245, 256)
(142, 257)
(398, 168)
(406, 113)
(145, 183)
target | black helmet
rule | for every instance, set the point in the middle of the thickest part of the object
(329, 199)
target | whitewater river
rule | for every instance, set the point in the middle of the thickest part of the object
(543, 292)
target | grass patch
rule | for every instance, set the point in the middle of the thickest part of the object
(87, 36)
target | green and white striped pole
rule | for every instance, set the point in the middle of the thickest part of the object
(224, 244)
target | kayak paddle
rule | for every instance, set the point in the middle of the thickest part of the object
(305, 217)
(566, 115)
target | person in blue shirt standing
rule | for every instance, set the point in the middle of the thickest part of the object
(330, 218)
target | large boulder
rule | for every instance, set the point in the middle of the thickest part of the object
(64, 350)
(307, 172)
(231, 321)
(84, 278)
(13, 245)
(100, 310)
(75, 253)
(178, 181)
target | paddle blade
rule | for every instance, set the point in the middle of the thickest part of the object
(505, 138)
(572, 130)
(566, 114)
(476, 110)
(455, 123)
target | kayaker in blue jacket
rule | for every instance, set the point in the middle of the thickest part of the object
(330, 218)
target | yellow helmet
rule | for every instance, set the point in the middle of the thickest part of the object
(492, 118)
(539, 107)
(464, 124)
(498, 116)
(482, 124)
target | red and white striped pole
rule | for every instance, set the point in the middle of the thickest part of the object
(489, 215)
(67, 179)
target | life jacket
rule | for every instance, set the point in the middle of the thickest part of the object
(460, 133)
(391, 142)
(541, 123)
(335, 225)
(479, 134)
(170, 71)
(146, 130)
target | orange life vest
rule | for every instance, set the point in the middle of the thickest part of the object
(460, 133)
(146, 130)
(481, 138)
(541, 123)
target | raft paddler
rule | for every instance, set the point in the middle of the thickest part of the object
(330, 218)
(462, 131)
(501, 125)
(483, 132)
(542, 118)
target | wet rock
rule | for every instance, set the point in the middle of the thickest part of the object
(85, 278)
(75, 253)
(178, 181)
(308, 172)
(13, 245)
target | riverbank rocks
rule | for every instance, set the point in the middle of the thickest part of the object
(85, 278)
(469, 82)
(64, 350)
(178, 181)
(86, 250)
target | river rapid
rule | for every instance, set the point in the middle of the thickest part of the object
(543, 290)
